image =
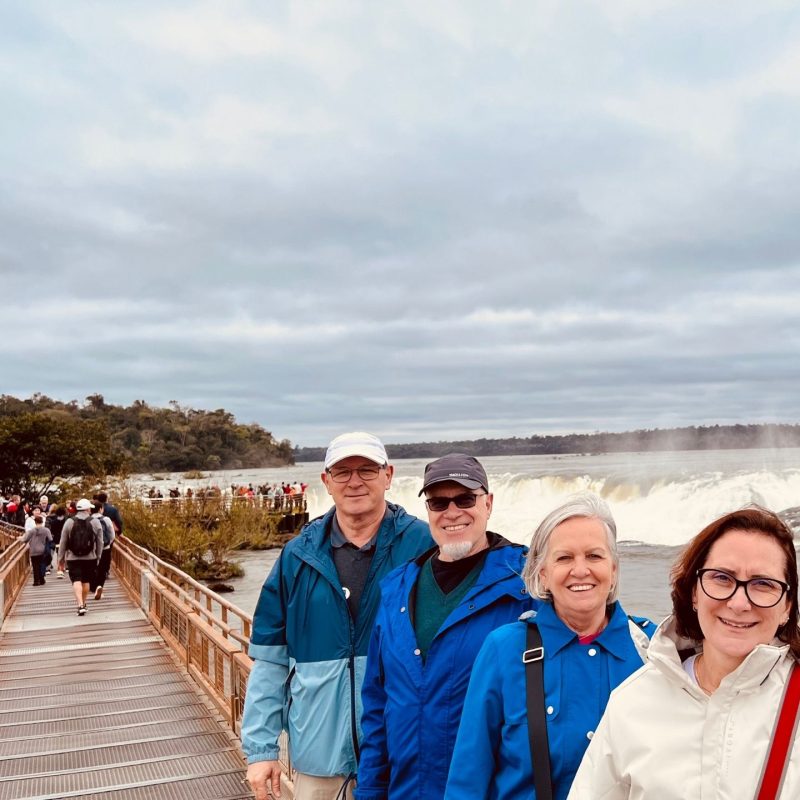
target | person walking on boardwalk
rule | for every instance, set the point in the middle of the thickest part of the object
(55, 521)
(312, 625)
(110, 511)
(434, 615)
(81, 549)
(37, 538)
(101, 573)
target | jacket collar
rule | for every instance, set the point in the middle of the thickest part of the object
(615, 638)
(667, 646)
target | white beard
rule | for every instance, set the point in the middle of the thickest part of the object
(457, 550)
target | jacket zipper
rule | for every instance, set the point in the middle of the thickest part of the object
(351, 665)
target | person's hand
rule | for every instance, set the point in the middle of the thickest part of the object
(265, 779)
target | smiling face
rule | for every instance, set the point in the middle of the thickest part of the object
(459, 532)
(357, 497)
(579, 571)
(733, 627)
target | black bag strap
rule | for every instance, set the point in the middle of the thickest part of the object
(533, 659)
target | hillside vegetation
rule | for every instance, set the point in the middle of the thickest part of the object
(144, 438)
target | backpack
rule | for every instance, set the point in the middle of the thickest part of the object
(81, 537)
(105, 524)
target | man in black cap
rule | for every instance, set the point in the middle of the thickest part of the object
(435, 613)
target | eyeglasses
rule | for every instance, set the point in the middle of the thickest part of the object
(761, 592)
(365, 473)
(466, 500)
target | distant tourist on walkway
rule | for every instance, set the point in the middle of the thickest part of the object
(111, 511)
(81, 550)
(37, 538)
(312, 626)
(55, 521)
(101, 573)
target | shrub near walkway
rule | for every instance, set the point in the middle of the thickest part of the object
(199, 536)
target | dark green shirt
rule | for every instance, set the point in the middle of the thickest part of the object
(433, 604)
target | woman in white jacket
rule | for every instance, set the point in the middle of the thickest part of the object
(697, 720)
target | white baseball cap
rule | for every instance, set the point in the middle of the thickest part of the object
(84, 505)
(356, 443)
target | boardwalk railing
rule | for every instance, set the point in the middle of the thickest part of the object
(208, 634)
(14, 566)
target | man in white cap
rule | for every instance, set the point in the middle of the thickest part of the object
(80, 548)
(312, 626)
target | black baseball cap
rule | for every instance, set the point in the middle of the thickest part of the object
(456, 467)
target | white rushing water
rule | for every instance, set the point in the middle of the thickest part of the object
(656, 498)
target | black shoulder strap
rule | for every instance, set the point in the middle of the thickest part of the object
(533, 658)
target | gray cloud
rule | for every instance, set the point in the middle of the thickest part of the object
(415, 219)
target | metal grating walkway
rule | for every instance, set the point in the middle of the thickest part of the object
(98, 707)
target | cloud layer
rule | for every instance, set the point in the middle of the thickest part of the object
(426, 220)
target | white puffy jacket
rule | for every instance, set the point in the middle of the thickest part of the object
(663, 738)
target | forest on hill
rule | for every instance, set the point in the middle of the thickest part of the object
(712, 437)
(143, 438)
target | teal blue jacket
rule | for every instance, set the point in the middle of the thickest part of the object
(308, 654)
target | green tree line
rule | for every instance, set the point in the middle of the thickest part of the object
(41, 438)
(712, 437)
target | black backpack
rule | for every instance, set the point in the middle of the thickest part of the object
(81, 537)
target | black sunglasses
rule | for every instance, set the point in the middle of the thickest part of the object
(466, 500)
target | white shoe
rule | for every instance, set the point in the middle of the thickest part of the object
(98, 592)
(81, 610)
(60, 574)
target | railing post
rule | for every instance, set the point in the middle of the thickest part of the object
(145, 585)
(2, 601)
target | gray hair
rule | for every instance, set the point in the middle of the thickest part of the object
(583, 504)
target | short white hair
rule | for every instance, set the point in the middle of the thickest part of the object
(583, 504)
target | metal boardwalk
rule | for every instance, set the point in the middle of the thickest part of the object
(99, 707)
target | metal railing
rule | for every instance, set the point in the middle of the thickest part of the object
(282, 504)
(15, 564)
(208, 634)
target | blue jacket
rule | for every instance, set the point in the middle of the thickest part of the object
(308, 655)
(492, 757)
(412, 709)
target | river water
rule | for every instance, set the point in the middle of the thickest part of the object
(659, 500)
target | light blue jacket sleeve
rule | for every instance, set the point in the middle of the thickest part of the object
(265, 702)
(373, 766)
(262, 719)
(473, 763)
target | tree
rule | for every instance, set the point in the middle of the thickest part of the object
(38, 448)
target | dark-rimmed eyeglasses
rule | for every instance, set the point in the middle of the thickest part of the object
(761, 592)
(466, 500)
(343, 475)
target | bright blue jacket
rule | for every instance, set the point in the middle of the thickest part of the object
(492, 757)
(412, 709)
(308, 655)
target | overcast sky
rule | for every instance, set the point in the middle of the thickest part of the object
(425, 219)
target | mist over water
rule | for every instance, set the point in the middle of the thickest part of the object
(656, 498)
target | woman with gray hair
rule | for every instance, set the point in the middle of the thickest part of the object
(539, 686)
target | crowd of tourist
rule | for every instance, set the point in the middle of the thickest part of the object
(283, 497)
(75, 538)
